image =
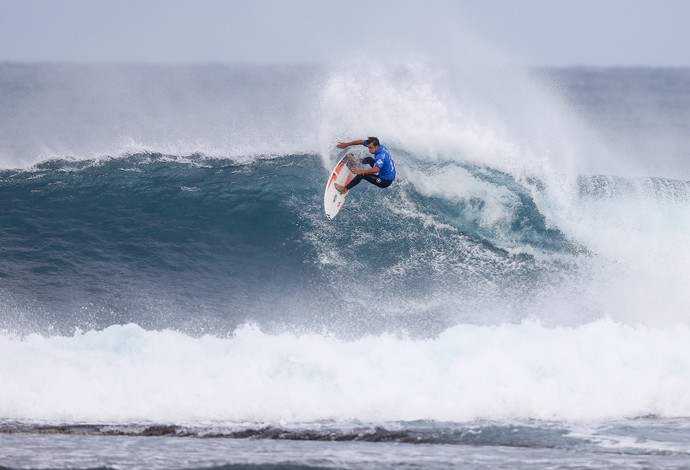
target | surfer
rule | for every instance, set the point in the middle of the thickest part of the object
(382, 171)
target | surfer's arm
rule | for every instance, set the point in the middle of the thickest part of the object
(373, 169)
(344, 145)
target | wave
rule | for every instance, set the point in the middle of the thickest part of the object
(108, 240)
(493, 280)
(205, 244)
(125, 374)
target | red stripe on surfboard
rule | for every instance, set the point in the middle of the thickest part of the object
(336, 173)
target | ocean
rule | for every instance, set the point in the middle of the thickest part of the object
(173, 296)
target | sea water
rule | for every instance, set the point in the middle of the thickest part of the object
(174, 297)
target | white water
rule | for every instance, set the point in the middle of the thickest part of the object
(601, 370)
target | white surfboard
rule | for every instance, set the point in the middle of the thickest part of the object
(341, 174)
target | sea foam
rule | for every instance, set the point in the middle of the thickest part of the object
(600, 370)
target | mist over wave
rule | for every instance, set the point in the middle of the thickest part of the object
(86, 111)
(561, 120)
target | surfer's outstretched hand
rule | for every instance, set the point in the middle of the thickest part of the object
(342, 145)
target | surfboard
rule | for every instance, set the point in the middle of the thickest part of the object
(341, 174)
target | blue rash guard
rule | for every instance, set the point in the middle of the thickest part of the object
(384, 163)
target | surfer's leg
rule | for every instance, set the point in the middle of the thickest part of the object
(373, 179)
(376, 181)
(368, 161)
(371, 161)
(355, 181)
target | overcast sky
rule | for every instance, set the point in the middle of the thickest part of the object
(532, 32)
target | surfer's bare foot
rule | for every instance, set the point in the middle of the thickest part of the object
(340, 188)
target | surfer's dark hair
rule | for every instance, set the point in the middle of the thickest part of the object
(372, 140)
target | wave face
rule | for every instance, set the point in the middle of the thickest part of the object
(201, 244)
(172, 263)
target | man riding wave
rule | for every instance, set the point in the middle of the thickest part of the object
(382, 171)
